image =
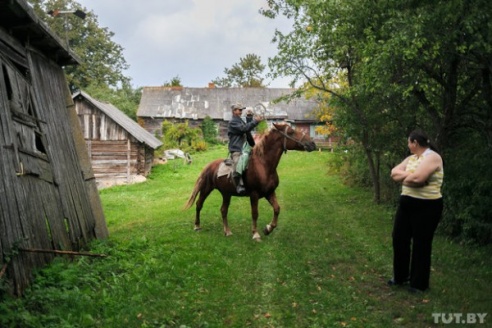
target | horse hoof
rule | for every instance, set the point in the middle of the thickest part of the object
(197, 229)
(257, 237)
(267, 230)
(228, 234)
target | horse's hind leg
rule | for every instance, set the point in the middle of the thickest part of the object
(199, 205)
(272, 199)
(224, 209)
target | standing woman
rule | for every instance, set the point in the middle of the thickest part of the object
(419, 212)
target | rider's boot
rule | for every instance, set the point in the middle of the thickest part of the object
(239, 184)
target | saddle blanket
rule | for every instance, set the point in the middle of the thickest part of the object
(224, 170)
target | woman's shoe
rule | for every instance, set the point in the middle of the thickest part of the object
(413, 290)
(392, 282)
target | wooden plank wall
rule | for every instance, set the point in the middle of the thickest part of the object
(47, 189)
(114, 153)
(114, 159)
(152, 125)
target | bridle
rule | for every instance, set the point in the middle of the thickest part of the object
(286, 136)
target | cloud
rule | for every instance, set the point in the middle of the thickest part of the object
(193, 39)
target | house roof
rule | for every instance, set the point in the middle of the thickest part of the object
(197, 103)
(18, 20)
(124, 121)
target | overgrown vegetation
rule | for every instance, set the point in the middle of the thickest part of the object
(383, 69)
(326, 265)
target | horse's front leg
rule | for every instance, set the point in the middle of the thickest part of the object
(226, 201)
(254, 216)
(272, 199)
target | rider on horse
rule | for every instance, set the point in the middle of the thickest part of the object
(240, 143)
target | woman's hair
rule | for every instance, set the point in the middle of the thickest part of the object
(422, 139)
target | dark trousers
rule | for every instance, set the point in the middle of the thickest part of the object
(416, 221)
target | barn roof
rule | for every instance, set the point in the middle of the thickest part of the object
(18, 21)
(124, 121)
(197, 103)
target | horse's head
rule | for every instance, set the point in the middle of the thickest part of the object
(294, 139)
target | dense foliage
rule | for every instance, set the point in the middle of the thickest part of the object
(399, 66)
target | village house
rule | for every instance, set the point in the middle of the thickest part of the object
(121, 151)
(180, 104)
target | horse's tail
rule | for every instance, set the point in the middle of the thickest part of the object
(199, 184)
(195, 192)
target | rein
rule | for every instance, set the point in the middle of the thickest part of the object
(286, 136)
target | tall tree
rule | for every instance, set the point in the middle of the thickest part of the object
(102, 60)
(245, 74)
(327, 43)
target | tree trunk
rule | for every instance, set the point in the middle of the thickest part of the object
(373, 169)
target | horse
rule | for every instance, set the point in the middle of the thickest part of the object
(260, 178)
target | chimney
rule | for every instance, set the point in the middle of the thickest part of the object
(211, 85)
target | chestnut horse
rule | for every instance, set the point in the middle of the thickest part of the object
(260, 178)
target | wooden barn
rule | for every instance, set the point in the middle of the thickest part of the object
(49, 202)
(121, 151)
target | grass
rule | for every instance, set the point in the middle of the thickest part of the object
(326, 265)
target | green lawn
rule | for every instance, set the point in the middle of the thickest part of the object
(326, 265)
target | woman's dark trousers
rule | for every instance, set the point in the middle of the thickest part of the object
(416, 221)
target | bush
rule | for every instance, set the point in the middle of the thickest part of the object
(182, 136)
(467, 194)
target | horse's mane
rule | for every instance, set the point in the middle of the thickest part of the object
(259, 148)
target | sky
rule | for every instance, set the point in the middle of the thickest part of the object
(194, 40)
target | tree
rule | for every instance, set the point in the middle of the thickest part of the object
(328, 43)
(102, 60)
(419, 64)
(209, 130)
(175, 82)
(126, 99)
(324, 112)
(245, 74)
